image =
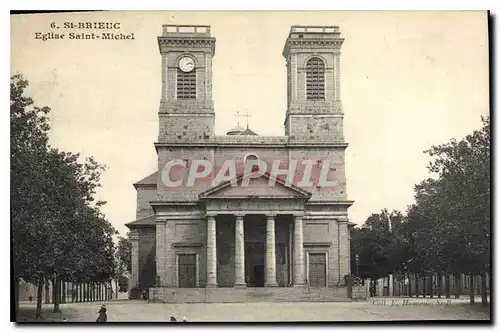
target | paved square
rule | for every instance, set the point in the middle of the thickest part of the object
(372, 310)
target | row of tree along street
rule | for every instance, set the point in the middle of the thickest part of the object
(445, 234)
(59, 233)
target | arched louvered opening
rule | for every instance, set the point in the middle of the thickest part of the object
(315, 79)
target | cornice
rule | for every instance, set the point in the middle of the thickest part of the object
(290, 144)
(335, 44)
(187, 42)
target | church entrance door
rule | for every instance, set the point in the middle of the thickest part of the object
(255, 264)
(317, 270)
(187, 270)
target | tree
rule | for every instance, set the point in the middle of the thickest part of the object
(31, 228)
(378, 244)
(124, 253)
(58, 231)
(450, 222)
(123, 283)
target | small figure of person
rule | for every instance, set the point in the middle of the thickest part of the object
(30, 298)
(103, 318)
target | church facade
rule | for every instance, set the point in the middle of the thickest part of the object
(208, 221)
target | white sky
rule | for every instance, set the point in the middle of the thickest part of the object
(409, 80)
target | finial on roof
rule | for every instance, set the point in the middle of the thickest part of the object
(247, 115)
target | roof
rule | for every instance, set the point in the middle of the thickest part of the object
(236, 130)
(249, 131)
(241, 131)
(148, 180)
(148, 221)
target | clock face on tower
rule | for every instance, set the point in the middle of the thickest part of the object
(186, 64)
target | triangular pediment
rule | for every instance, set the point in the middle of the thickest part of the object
(246, 187)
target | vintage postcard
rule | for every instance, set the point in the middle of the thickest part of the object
(251, 166)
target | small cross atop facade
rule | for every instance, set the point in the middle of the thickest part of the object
(246, 114)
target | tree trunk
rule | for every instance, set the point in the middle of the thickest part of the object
(47, 291)
(439, 283)
(57, 295)
(417, 290)
(409, 285)
(424, 285)
(458, 285)
(39, 295)
(116, 288)
(53, 282)
(484, 295)
(431, 285)
(471, 289)
(63, 291)
(447, 281)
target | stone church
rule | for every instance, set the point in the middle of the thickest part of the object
(209, 243)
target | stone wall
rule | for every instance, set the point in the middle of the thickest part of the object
(186, 235)
(145, 194)
(359, 292)
(328, 235)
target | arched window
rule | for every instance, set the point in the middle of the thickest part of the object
(186, 84)
(315, 79)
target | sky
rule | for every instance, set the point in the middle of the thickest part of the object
(409, 80)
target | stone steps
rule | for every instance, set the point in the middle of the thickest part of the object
(249, 294)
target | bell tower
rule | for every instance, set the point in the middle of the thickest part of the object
(186, 112)
(314, 109)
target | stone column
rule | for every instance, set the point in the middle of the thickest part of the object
(239, 259)
(344, 249)
(161, 261)
(298, 252)
(134, 277)
(270, 253)
(211, 252)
